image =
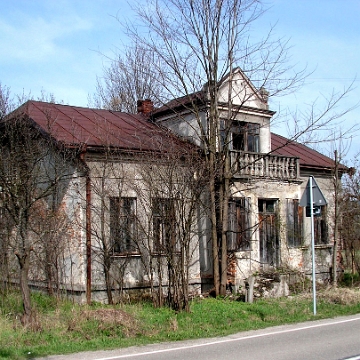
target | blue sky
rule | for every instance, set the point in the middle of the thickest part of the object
(58, 45)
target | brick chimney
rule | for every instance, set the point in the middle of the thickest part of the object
(145, 106)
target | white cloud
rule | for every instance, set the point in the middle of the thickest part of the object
(34, 39)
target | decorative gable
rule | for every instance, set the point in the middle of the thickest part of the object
(243, 93)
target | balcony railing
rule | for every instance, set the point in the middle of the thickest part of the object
(248, 164)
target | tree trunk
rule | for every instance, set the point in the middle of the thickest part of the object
(336, 220)
(108, 284)
(225, 216)
(24, 262)
(48, 271)
(214, 235)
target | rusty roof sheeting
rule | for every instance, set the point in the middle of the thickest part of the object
(74, 125)
(308, 157)
(97, 128)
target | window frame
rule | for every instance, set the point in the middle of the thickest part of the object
(321, 228)
(123, 225)
(164, 225)
(294, 223)
(245, 136)
(239, 227)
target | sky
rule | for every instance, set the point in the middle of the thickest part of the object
(61, 46)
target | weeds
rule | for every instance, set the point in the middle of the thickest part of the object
(64, 327)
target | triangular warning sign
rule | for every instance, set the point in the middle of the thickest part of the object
(318, 197)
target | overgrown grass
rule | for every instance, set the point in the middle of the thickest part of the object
(63, 327)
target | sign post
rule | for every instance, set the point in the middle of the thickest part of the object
(312, 197)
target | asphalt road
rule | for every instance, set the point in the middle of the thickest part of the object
(330, 339)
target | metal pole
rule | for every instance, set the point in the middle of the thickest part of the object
(312, 243)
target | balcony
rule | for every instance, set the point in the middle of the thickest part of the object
(257, 165)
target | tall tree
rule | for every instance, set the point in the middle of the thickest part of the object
(129, 78)
(33, 170)
(196, 44)
(349, 224)
(7, 102)
(171, 189)
(200, 42)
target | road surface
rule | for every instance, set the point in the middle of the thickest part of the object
(330, 339)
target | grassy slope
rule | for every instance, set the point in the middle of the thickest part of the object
(62, 327)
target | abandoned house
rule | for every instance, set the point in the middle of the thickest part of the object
(131, 195)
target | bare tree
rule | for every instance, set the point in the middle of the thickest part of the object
(6, 102)
(108, 181)
(50, 227)
(145, 216)
(199, 43)
(129, 78)
(173, 183)
(202, 43)
(32, 167)
(349, 227)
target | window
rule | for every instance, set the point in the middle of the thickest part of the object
(321, 227)
(239, 232)
(245, 136)
(164, 224)
(123, 224)
(294, 223)
(269, 232)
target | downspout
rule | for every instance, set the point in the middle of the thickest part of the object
(87, 225)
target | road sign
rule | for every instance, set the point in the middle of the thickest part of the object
(316, 211)
(318, 197)
(312, 199)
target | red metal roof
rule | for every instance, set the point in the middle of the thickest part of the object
(73, 125)
(308, 157)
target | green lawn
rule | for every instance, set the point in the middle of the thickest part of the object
(63, 327)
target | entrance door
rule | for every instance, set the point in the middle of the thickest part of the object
(269, 233)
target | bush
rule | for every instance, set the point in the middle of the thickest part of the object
(350, 279)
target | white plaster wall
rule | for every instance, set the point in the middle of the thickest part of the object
(70, 237)
(298, 258)
(265, 136)
(249, 261)
(124, 179)
(242, 92)
(187, 125)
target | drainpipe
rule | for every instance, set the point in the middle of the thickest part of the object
(87, 226)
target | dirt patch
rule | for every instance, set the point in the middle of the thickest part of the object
(342, 296)
(113, 317)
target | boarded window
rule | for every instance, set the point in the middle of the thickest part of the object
(294, 223)
(123, 224)
(164, 224)
(239, 232)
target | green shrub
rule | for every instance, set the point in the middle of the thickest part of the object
(350, 279)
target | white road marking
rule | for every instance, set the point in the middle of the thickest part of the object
(232, 340)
